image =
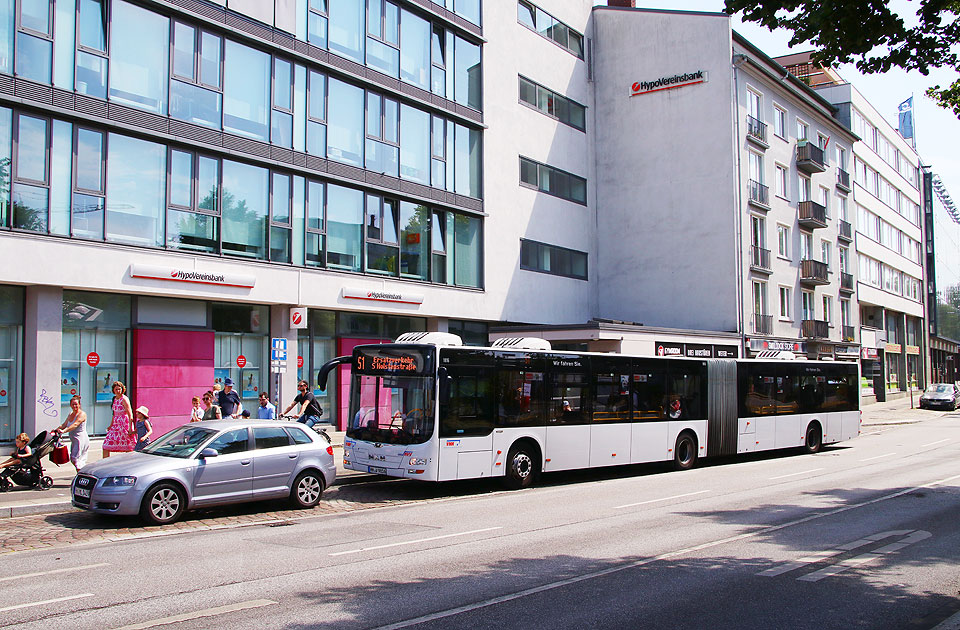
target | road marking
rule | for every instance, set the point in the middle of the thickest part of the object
(676, 496)
(413, 542)
(54, 571)
(870, 459)
(639, 563)
(47, 601)
(199, 614)
(935, 443)
(795, 474)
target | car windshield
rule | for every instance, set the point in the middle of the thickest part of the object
(181, 442)
(939, 388)
(391, 409)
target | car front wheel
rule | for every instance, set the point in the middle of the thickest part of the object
(164, 503)
(306, 489)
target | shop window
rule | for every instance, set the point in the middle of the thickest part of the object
(236, 318)
(240, 356)
(11, 344)
(317, 345)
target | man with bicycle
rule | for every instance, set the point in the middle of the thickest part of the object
(310, 410)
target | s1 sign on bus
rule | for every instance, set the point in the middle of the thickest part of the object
(298, 317)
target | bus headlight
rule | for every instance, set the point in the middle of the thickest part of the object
(417, 461)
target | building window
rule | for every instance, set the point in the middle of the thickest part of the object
(87, 206)
(845, 313)
(345, 33)
(245, 203)
(803, 130)
(780, 122)
(414, 145)
(759, 298)
(345, 110)
(844, 254)
(281, 132)
(552, 104)
(758, 231)
(755, 165)
(825, 248)
(317, 23)
(558, 261)
(806, 246)
(344, 219)
(753, 104)
(804, 190)
(785, 303)
(281, 202)
(828, 309)
(783, 241)
(31, 180)
(246, 92)
(136, 174)
(825, 200)
(91, 60)
(193, 217)
(414, 240)
(35, 41)
(538, 20)
(383, 134)
(415, 63)
(553, 181)
(382, 240)
(807, 305)
(139, 53)
(196, 78)
(781, 182)
(317, 114)
(383, 37)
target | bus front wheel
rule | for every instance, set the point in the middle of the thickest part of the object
(685, 452)
(814, 440)
(522, 467)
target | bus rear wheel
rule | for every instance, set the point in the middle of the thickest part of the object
(814, 440)
(685, 451)
(522, 467)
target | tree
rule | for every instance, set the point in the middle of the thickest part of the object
(870, 34)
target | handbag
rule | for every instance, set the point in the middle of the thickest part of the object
(60, 455)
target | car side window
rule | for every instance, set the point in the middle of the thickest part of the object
(298, 435)
(235, 441)
(270, 437)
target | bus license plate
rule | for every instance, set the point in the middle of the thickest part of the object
(82, 492)
(377, 470)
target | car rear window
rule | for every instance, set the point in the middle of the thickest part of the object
(298, 435)
(270, 437)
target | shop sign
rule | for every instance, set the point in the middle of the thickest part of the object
(298, 317)
(93, 359)
(847, 352)
(913, 349)
(726, 352)
(382, 296)
(669, 349)
(698, 351)
(668, 83)
(299, 362)
(192, 276)
(241, 361)
(895, 348)
(776, 344)
(870, 354)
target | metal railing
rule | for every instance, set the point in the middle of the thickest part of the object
(760, 258)
(811, 156)
(757, 129)
(846, 281)
(758, 193)
(814, 329)
(812, 213)
(843, 178)
(846, 230)
(814, 271)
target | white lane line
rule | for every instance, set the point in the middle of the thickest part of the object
(54, 571)
(804, 472)
(676, 496)
(199, 614)
(870, 459)
(823, 555)
(935, 443)
(639, 563)
(414, 542)
(840, 567)
(47, 601)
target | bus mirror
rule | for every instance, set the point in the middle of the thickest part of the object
(327, 368)
(444, 381)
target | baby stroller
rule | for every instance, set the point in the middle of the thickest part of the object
(29, 472)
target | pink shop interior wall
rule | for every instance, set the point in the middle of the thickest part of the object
(170, 367)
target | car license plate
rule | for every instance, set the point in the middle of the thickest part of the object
(377, 470)
(82, 492)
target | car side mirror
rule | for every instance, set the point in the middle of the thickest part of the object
(209, 452)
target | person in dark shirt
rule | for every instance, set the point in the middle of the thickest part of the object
(310, 410)
(229, 401)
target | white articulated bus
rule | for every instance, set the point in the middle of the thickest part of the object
(429, 408)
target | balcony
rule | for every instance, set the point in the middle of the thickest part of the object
(846, 282)
(846, 231)
(811, 214)
(814, 329)
(814, 272)
(810, 158)
(763, 324)
(760, 259)
(758, 194)
(757, 132)
(843, 180)
(847, 333)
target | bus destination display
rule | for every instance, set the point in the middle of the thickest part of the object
(393, 361)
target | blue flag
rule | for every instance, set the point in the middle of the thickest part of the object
(906, 118)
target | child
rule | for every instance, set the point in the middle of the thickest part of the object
(144, 428)
(22, 451)
(196, 413)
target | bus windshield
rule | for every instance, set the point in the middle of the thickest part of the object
(391, 409)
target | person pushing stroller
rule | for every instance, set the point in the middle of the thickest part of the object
(24, 467)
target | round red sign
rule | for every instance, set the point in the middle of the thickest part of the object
(93, 359)
(3, 392)
(297, 318)
(241, 361)
(299, 361)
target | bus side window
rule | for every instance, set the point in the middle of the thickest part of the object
(685, 394)
(611, 401)
(648, 391)
(521, 398)
(567, 399)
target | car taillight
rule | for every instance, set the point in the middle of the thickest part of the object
(330, 450)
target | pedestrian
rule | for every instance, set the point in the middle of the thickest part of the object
(310, 410)
(245, 414)
(121, 434)
(144, 428)
(75, 425)
(23, 450)
(196, 412)
(266, 410)
(212, 411)
(229, 400)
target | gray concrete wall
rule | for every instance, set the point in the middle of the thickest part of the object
(42, 340)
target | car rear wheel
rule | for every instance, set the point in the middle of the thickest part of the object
(164, 503)
(306, 490)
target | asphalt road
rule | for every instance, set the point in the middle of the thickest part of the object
(862, 535)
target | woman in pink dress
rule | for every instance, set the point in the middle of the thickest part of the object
(121, 436)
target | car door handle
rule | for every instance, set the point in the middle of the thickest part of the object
(245, 462)
(293, 455)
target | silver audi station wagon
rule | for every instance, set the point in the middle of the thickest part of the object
(204, 464)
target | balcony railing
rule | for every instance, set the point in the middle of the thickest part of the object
(814, 272)
(759, 194)
(811, 214)
(756, 130)
(810, 158)
(763, 324)
(846, 231)
(760, 259)
(846, 282)
(843, 179)
(847, 333)
(814, 329)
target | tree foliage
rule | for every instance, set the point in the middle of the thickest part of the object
(869, 34)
